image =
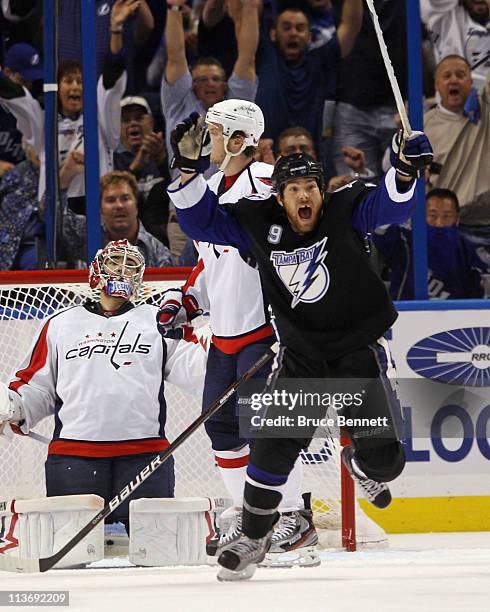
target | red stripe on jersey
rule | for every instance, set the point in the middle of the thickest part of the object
(235, 345)
(106, 449)
(38, 360)
(191, 281)
(232, 463)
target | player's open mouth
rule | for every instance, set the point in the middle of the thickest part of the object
(454, 91)
(304, 213)
(75, 98)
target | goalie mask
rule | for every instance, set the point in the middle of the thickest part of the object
(237, 116)
(118, 270)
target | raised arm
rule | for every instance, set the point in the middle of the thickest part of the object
(175, 42)
(120, 12)
(394, 199)
(247, 39)
(201, 216)
(385, 205)
(213, 12)
(144, 23)
(350, 25)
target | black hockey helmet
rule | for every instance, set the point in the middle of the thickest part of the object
(297, 165)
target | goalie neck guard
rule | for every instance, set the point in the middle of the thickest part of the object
(118, 270)
(296, 166)
(237, 116)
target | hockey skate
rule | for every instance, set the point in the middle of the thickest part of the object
(229, 532)
(240, 559)
(294, 541)
(377, 493)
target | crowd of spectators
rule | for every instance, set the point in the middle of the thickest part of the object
(315, 69)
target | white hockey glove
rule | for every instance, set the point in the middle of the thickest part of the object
(11, 410)
(176, 313)
(410, 156)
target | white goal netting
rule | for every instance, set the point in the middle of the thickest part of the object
(22, 462)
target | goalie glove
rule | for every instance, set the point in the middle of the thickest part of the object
(176, 312)
(191, 145)
(410, 157)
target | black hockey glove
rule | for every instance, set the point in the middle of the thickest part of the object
(415, 155)
(191, 145)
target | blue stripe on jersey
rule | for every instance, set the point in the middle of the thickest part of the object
(267, 478)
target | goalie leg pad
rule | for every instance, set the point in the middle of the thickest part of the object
(40, 527)
(172, 531)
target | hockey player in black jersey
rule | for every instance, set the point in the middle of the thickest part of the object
(331, 308)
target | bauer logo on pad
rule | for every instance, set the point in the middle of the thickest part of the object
(456, 356)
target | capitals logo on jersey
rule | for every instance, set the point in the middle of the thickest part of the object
(303, 272)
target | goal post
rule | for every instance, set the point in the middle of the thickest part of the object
(27, 297)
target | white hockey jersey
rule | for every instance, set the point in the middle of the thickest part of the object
(103, 380)
(30, 121)
(454, 32)
(223, 281)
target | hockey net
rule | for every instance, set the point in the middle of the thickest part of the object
(28, 297)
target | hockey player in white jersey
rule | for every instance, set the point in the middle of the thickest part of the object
(100, 368)
(230, 288)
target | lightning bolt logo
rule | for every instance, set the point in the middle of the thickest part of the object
(311, 273)
(301, 270)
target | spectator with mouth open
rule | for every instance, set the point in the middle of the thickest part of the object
(294, 81)
(459, 130)
(141, 151)
(110, 88)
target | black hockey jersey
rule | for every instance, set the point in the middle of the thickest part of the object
(325, 295)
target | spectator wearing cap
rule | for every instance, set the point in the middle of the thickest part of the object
(141, 151)
(22, 66)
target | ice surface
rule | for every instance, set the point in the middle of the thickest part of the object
(420, 572)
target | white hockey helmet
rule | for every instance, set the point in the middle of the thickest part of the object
(237, 116)
(118, 269)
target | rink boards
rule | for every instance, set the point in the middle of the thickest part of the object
(445, 484)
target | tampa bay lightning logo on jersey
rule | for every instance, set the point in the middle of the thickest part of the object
(457, 356)
(303, 272)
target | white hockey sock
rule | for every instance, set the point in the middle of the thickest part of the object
(291, 491)
(233, 469)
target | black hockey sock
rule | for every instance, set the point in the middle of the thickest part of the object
(259, 510)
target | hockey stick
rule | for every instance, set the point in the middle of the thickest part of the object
(390, 71)
(23, 564)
